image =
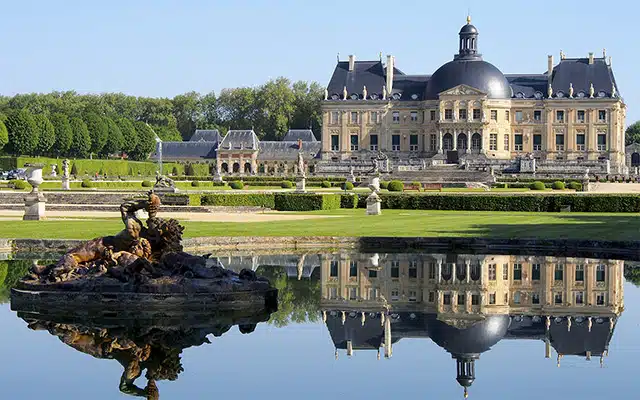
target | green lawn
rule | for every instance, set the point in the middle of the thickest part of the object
(355, 223)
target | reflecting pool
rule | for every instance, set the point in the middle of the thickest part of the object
(441, 326)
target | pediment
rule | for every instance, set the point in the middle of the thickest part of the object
(462, 90)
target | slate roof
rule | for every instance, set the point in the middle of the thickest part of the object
(288, 150)
(240, 139)
(371, 74)
(187, 150)
(369, 336)
(306, 135)
(582, 75)
(205, 135)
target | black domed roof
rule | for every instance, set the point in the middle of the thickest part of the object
(467, 29)
(474, 339)
(476, 73)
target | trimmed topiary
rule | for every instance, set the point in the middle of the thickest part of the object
(395, 186)
(19, 185)
(195, 183)
(326, 184)
(537, 185)
(147, 184)
(87, 183)
(384, 185)
(347, 186)
(236, 185)
(286, 184)
(577, 186)
(557, 185)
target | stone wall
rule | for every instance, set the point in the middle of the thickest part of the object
(92, 198)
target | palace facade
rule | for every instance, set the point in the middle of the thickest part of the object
(469, 110)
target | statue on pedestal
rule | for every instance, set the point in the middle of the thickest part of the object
(164, 183)
(301, 165)
(54, 170)
(65, 168)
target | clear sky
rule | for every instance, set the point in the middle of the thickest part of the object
(163, 48)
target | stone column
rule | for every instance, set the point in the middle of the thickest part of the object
(468, 140)
(592, 137)
(468, 263)
(550, 136)
(440, 134)
(439, 272)
(455, 139)
(453, 272)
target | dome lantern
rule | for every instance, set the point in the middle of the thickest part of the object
(468, 42)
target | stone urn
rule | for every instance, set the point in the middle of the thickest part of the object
(34, 176)
(34, 202)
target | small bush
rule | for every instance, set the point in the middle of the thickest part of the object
(347, 186)
(19, 184)
(146, 184)
(74, 169)
(395, 186)
(557, 185)
(326, 184)
(384, 185)
(87, 183)
(237, 185)
(349, 201)
(174, 171)
(537, 185)
(577, 186)
(195, 183)
(286, 184)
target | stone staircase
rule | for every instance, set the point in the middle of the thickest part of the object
(445, 174)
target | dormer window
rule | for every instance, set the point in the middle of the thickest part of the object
(335, 97)
(602, 94)
(396, 96)
(537, 95)
(581, 94)
(520, 95)
(560, 94)
(354, 96)
(374, 96)
(414, 97)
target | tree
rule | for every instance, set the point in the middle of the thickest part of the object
(115, 140)
(187, 109)
(4, 135)
(275, 102)
(146, 142)
(167, 134)
(63, 133)
(97, 131)
(633, 133)
(23, 135)
(129, 135)
(307, 106)
(81, 141)
(237, 108)
(46, 134)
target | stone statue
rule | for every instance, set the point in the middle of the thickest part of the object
(54, 170)
(375, 171)
(301, 166)
(163, 181)
(326, 94)
(484, 115)
(384, 92)
(550, 91)
(344, 93)
(591, 91)
(364, 93)
(65, 168)
(571, 90)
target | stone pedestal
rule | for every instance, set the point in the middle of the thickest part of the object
(34, 202)
(217, 177)
(586, 185)
(65, 183)
(373, 204)
(301, 184)
(165, 189)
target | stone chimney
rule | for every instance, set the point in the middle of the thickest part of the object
(590, 58)
(549, 65)
(390, 65)
(352, 63)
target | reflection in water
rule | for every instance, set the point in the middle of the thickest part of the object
(143, 341)
(468, 303)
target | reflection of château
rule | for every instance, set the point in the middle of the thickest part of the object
(468, 303)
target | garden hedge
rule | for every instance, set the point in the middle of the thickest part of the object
(239, 200)
(349, 201)
(306, 201)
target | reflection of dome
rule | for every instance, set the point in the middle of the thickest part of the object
(474, 339)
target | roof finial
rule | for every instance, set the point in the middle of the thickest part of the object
(466, 393)
(338, 56)
(468, 19)
(380, 54)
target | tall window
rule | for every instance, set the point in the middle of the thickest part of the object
(602, 115)
(432, 271)
(433, 143)
(580, 141)
(518, 115)
(354, 117)
(432, 115)
(559, 272)
(493, 141)
(353, 269)
(333, 293)
(461, 299)
(413, 142)
(373, 118)
(414, 116)
(492, 272)
(535, 298)
(517, 144)
(600, 299)
(517, 272)
(354, 142)
(560, 116)
(413, 270)
(476, 113)
(537, 115)
(448, 114)
(507, 115)
(395, 142)
(505, 272)
(373, 273)
(557, 298)
(373, 142)
(537, 142)
(600, 273)
(602, 142)
(353, 293)
(517, 297)
(446, 299)
(559, 141)
(492, 298)
(580, 273)
(580, 116)
(494, 115)
(432, 296)
(475, 299)
(506, 142)
(579, 297)
(335, 143)
(335, 117)
(334, 269)
(395, 116)
(535, 272)
(373, 293)
(462, 113)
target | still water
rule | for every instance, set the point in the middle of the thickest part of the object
(375, 326)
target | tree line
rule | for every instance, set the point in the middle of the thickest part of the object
(68, 124)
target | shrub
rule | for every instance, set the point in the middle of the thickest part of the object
(349, 201)
(347, 186)
(557, 185)
(286, 184)
(174, 171)
(86, 183)
(306, 202)
(237, 185)
(19, 184)
(147, 184)
(326, 184)
(537, 185)
(239, 200)
(384, 185)
(577, 186)
(74, 170)
(395, 186)
(195, 183)
(500, 185)
(418, 185)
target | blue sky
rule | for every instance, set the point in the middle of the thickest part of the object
(163, 48)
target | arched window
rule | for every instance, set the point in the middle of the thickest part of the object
(261, 169)
(635, 159)
(462, 141)
(224, 167)
(461, 272)
(476, 142)
(447, 142)
(247, 168)
(475, 272)
(446, 272)
(236, 168)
